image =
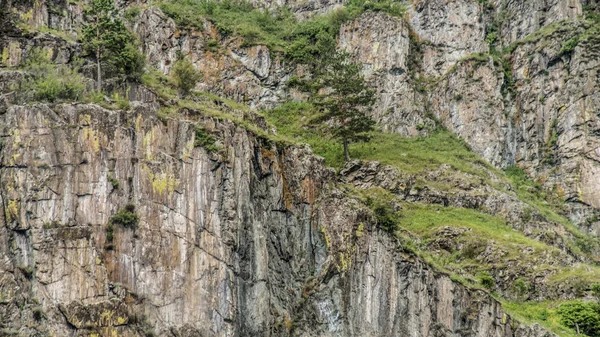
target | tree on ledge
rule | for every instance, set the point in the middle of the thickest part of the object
(107, 39)
(343, 101)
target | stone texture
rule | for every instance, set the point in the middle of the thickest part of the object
(251, 240)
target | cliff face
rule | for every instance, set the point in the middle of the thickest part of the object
(253, 240)
(255, 237)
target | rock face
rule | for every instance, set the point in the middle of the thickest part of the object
(124, 223)
(532, 107)
(250, 240)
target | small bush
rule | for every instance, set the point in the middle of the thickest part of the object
(114, 182)
(521, 287)
(126, 217)
(487, 281)
(131, 13)
(122, 102)
(110, 230)
(212, 45)
(50, 82)
(204, 139)
(185, 76)
(386, 215)
(569, 46)
(26, 270)
(584, 316)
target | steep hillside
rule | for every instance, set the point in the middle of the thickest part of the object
(141, 210)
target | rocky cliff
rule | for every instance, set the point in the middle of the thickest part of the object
(197, 217)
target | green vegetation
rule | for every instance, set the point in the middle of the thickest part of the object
(204, 139)
(342, 107)
(125, 217)
(581, 317)
(131, 13)
(114, 182)
(185, 76)
(386, 213)
(279, 30)
(48, 81)
(106, 38)
(412, 155)
(486, 280)
(544, 313)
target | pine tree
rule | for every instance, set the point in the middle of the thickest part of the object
(185, 75)
(343, 101)
(106, 38)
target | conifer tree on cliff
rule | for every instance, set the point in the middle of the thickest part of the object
(107, 39)
(343, 101)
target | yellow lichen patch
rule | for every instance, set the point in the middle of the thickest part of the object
(187, 150)
(5, 56)
(98, 261)
(138, 123)
(360, 230)
(85, 119)
(161, 182)
(90, 138)
(12, 210)
(122, 320)
(326, 237)
(106, 317)
(16, 138)
(149, 139)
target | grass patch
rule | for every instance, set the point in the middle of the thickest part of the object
(545, 313)
(413, 155)
(425, 220)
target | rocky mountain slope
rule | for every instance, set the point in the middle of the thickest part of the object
(472, 212)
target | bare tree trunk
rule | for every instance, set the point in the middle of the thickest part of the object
(346, 152)
(99, 85)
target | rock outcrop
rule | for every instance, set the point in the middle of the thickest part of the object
(251, 240)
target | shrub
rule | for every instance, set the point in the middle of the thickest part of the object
(487, 281)
(126, 217)
(569, 46)
(584, 316)
(131, 13)
(26, 270)
(50, 82)
(185, 76)
(386, 215)
(114, 182)
(204, 139)
(212, 45)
